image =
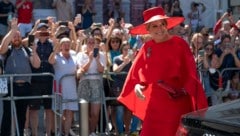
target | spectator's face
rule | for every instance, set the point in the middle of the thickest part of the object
(90, 44)
(227, 26)
(43, 37)
(115, 44)
(65, 47)
(226, 40)
(125, 49)
(199, 43)
(17, 40)
(209, 49)
(97, 33)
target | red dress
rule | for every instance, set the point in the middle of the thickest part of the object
(172, 62)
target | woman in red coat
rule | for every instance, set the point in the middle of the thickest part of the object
(162, 83)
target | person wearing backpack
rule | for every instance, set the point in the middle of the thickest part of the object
(17, 62)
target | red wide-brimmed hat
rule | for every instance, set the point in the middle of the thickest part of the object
(154, 14)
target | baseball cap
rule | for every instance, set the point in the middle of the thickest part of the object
(41, 25)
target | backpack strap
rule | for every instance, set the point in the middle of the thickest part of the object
(9, 51)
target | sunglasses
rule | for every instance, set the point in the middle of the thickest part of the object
(97, 34)
(209, 49)
(115, 41)
(91, 42)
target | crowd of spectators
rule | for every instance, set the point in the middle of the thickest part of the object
(75, 44)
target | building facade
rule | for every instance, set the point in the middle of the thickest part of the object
(133, 8)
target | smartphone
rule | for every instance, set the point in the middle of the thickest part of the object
(98, 24)
(79, 16)
(31, 39)
(63, 23)
(130, 52)
(44, 21)
(229, 11)
(44, 34)
(95, 52)
(201, 52)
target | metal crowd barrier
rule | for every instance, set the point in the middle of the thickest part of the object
(220, 77)
(14, 123)
(83, 107)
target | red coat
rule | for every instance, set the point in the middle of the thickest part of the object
(172, 62)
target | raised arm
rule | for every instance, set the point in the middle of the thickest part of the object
(9, 36)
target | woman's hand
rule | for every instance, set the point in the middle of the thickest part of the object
(139, 91)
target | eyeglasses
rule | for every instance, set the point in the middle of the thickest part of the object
(125, 49)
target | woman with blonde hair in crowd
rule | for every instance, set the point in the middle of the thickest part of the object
(65, 63)
(196, 46)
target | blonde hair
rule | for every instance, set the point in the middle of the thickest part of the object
(195, 37)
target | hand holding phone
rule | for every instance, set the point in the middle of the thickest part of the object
(95, 52)
(31, 39)
(79, 16)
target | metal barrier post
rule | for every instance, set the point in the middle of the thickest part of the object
(83, 118)
(13, 110)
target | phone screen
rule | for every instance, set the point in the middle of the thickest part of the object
(31, 40)
(201, 52)
(130, 52)
(95, 52)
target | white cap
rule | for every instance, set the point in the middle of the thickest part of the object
(65, 39)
